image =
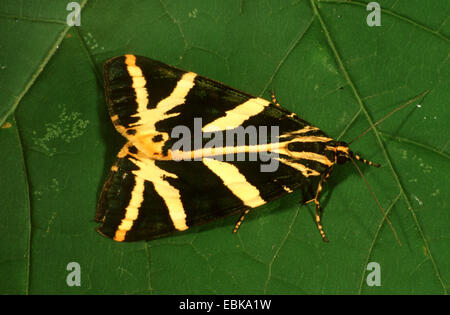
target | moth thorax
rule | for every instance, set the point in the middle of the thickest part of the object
(343, 153)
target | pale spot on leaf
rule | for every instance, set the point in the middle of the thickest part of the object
(68, 127)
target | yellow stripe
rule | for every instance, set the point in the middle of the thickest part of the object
(300, 131)
(300, 167)
(133, 70)
(235, 117)
(210, 152)
(311, 156)
(278, 148)
(149, 117)
(132, 210)
(145, 126)
(138, 82)
(310, 139)
(286, 188)
(177, 97)
(150, 172)
(235, 182)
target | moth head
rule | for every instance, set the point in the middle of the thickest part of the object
(343, 153)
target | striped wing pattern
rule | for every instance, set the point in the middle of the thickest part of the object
(149, 194)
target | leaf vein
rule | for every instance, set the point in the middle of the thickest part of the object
(378, 137)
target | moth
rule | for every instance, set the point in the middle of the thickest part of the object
(158, 186)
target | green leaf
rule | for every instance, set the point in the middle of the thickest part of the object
(324, 63)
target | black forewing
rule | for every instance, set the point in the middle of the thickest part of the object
(208, 99)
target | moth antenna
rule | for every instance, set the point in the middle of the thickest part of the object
(376, 200)
(390, 114)
(363, 160)
(274, 99)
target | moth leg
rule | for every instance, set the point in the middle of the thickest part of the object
(239, 222)
(274, 99)
(318, 208)
(320, 185)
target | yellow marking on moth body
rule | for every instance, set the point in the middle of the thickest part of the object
(114, 118)
(305, 155)
(124, 151)
(305, 129)
(286, 188)
(306, 171)
(310, 139)
(283, 147)
(215, 151)
(340, 148)
(121, 129)
(297, 135)
(235, 182)
(275, 147)
(336, 149)
(280, 148)
(235, 117)
(116, 123)
(148, 117)
(133, 70)
(138, 82)
(131, 211)
(150, 172)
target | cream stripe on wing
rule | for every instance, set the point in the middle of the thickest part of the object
(171, 196)
(138, 82)
(309, 139)
(306, 171)
(305, 129)
(278, 148)
(131, 211)
(148, 117)
(235, 182)
(235, 117)
(309, 156)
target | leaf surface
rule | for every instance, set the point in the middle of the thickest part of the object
(324, 63)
